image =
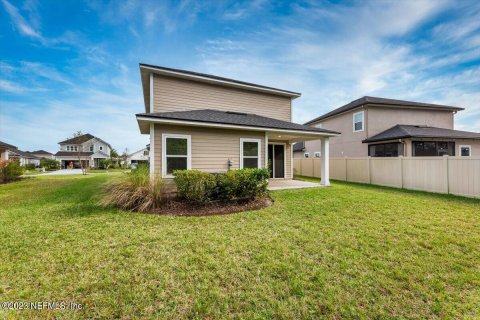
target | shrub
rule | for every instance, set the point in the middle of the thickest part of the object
(201, 187)
(10, 170)
(195, 186)
(50, 164)
(105, 163)
(134, 191)
(243, 184)
(30, 166)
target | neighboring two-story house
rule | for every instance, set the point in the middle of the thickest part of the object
(11, 152)
(138, 157)
(380, 127)
(213, 124)
(86, 148)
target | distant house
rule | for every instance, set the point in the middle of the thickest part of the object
(86, 148)
(42, 154)
(138, 157)
(11, 152)
(380, 127)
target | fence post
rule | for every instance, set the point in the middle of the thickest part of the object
(401, 171)
(369, 171)
(445, 161)
(346, 168)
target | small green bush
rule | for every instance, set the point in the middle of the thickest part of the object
(105, 163)
(10, 170)
(50, 164)
(30, 166)
(134, 191)
(194, 185)
(243, 184)
(201, 187)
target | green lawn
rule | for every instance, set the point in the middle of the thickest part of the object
(349, 251)
(107, 170)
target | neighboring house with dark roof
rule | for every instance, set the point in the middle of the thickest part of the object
(86, 148)
(381, 127)
(11, 152)
(43, 154)
(213, 124)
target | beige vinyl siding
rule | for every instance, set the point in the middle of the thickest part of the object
(174, 94)
(211, 148)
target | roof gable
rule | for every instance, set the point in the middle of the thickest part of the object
(384, 102)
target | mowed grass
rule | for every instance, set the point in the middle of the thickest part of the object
(348, 251)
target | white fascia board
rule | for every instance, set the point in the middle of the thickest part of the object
(231, 126)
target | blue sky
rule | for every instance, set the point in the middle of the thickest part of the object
(71, 65)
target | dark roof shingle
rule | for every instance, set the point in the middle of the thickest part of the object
(409, 131)
(72, 154)
(233, 118)
(78, 140)
(5, 145)
(41, 152)
(384, 102)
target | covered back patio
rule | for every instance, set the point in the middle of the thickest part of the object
(279, 155)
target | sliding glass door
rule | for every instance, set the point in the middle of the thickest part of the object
(276, 160)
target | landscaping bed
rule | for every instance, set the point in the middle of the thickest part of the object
(179, 207)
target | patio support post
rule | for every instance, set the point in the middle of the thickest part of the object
(266, 149)
(325, 172)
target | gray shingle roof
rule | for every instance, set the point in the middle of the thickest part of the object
(204, 75)
(78, 140)
(233, 118)
(299, 146)
(72, 154)
(384, 102)
(41, 152)
(408, 131)
(5, 145)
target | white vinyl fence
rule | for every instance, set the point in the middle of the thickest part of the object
(455, 175)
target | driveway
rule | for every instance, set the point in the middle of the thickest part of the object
(63, 172)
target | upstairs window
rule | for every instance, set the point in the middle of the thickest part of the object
(249, 153)
(91, 148)
(101, 148)
(358, 119)
(465, 151)
(317, 154)
(145, 152)
(306, 155)
(319, 125)
(176, 151)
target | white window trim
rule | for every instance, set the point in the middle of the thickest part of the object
(164, 151)
(318, 125)
(464, 146)
(363, 121)
(306, 155)
(259, 142)
(319, 154)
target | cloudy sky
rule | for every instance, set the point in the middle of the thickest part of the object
(69, 65)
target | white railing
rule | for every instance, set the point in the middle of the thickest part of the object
(455, 175)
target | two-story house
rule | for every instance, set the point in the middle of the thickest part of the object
(138, 157)
(86, 148)
(380, 127)
(214, 124)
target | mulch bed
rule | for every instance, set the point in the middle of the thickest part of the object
(178, 207)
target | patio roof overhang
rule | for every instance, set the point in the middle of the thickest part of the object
(273, 133)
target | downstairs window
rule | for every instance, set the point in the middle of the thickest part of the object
(249, 153)
(176, 151)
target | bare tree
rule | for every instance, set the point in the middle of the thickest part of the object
(79, 150)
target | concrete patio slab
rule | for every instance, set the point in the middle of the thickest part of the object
(290, 184)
